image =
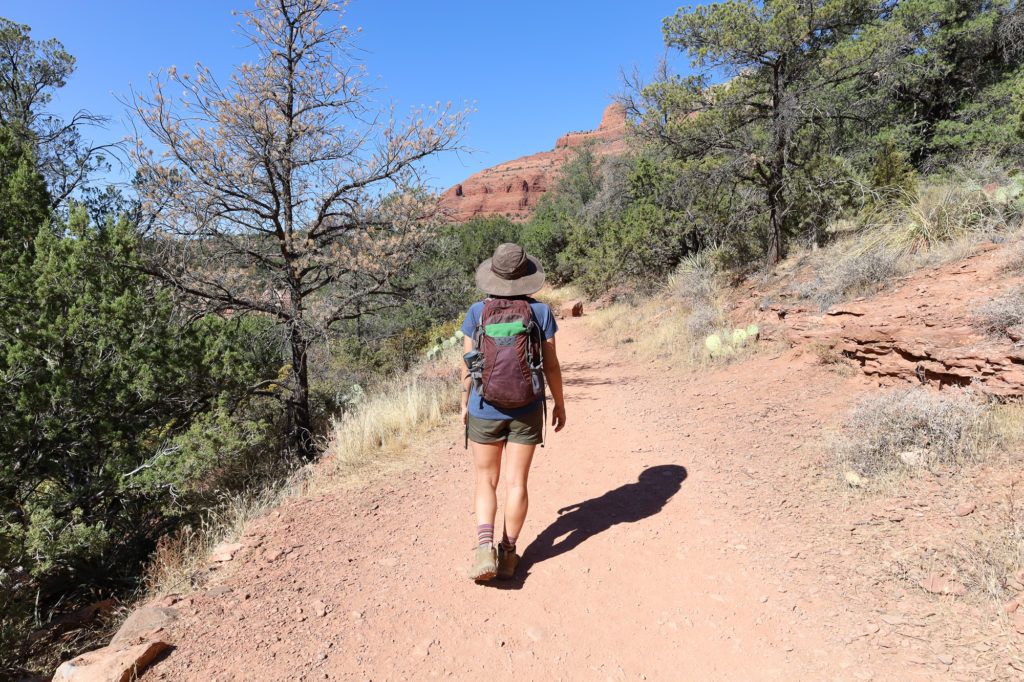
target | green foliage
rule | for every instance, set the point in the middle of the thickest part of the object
(892, 177)
(560, 213)
(950, 90)
(477, 239)
(119, 415)
(784, 61)
(987, 122)
(30, 71)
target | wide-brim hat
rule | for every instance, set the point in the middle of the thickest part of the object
(510, 272)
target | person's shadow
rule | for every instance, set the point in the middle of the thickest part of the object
(577, 522)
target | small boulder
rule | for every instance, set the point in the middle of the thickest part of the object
(225, 552)
(142, 621)
(936, 583)
(1016, 333)
(111, 663)
(853, 479)
(915, 457)
(573, 309)
(965, 508)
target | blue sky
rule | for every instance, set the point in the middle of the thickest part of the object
(534, 69)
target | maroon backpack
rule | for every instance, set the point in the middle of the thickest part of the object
(509, 339)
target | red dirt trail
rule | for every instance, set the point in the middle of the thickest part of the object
(702, 538)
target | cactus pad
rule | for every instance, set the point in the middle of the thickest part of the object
(714, 344)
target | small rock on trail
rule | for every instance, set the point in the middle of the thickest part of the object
(936, 583)
(965, 508)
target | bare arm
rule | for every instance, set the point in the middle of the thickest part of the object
(553, 375)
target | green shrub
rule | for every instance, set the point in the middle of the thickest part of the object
(110, 402)
(892, 177)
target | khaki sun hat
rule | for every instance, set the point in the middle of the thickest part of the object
(510, 272)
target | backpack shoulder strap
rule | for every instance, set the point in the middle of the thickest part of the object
(478, 331)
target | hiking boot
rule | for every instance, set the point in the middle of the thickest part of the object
(484, 564)
(507, 562)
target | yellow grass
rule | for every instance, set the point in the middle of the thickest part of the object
(672, 326)
(556, 297)
(382, 425)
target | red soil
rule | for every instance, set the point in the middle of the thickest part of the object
(681, 527)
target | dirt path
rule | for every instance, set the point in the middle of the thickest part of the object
(696, 546)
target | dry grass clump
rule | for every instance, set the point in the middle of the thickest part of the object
(1015, 263)
(940, 214)
(940, 223)
(990, 554)
(399, 409)
(180, 558)
(556, 297)
(374, 430)
(695, 280)
(900, 432)
(999, 314)
(674, 324)
(862, 270)
(991, 560)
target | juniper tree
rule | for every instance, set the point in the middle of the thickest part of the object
(285, 190)
(783, 82)
(30, 72)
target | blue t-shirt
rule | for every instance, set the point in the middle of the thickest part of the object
(483, 409)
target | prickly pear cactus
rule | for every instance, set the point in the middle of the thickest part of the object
(739, 338)
(714, 345)
(753, 331)
(1016, 187)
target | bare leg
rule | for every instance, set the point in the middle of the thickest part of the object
(517, 500)
(487, 466)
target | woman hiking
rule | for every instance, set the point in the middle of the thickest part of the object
(510, 351)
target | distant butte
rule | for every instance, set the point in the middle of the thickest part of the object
(512, 188)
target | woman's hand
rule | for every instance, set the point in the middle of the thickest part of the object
(465, 414)
(558, 417)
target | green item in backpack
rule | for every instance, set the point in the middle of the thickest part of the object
(504, 329)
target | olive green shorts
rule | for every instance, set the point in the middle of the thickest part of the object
(527, 429)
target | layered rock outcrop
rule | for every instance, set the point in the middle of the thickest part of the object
(923, 331)
(513, 188)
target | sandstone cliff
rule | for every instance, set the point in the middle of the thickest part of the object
(513, 188)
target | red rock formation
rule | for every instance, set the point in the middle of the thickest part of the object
(923, 331)
(513, 188)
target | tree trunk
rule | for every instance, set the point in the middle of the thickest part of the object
(300, 415)
(774, 229)
(777, 173)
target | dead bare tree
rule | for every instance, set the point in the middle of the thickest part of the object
(285, 191)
